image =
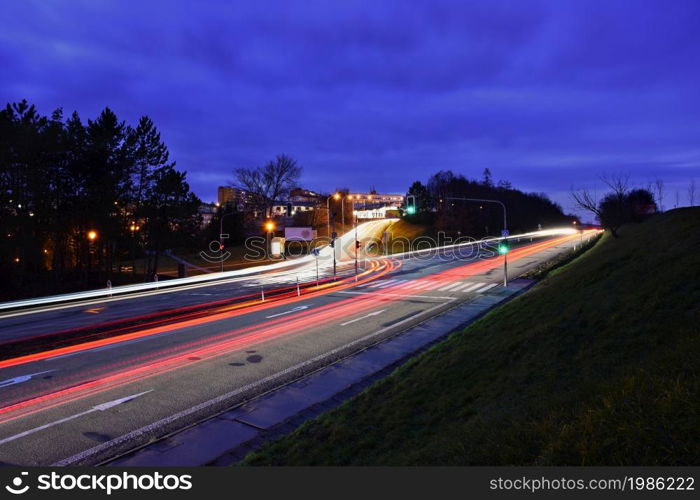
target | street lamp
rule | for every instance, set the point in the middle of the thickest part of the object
(269, 229)
(133, 228)
(91, 236)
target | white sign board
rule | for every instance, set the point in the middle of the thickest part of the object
(298, 233)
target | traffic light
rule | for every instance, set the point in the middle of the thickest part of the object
(503, 247)
(410, 204)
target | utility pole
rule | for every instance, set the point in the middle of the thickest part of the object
(357, 248)
(333, 234)
(222, 237)
(504, 232)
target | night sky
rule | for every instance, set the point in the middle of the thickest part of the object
(547, 94)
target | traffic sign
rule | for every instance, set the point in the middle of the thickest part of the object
(316, 252)
(505, 233)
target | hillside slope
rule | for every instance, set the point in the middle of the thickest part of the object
(598, 364)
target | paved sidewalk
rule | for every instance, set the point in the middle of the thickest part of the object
(229, 436)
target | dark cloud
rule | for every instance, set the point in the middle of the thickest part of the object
(548, 94)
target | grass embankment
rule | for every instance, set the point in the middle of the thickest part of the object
(402, 233)
(598, 364)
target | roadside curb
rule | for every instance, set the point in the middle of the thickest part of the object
(227, 437)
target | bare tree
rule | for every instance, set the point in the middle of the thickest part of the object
(587, 201)
(619, 183)
(691, 192)
(270, 183)
(659, 192)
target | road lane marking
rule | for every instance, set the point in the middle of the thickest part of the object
(100, 407)
(472, 287)
(22, 378)
(388, 285)
(375, 313)
(292, 310)
(413, 284)
(384, 294)
(462, 286)
(487, 287)
(385, 282)
(423, 284)
(450, 286)
(149, 429)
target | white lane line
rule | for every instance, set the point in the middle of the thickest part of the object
(423, 284)
(392, 284)
(100, 407)
(472, 287)
(432, 285)
(461, 286)
(153, 427)
(487, 287)
(385, 294)
(413, 284)
(450, 286)
(22, 378)
(381, 284)
(292, 310)
(375, 313)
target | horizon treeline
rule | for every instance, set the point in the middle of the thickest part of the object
(78, 197)
(525, 211)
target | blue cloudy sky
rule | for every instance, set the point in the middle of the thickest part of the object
(547, 94)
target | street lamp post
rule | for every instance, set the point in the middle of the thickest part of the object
(221, 238)
(336, 197)
(91, 236)
(133, 228)
(504, 233)
(334, 249)
(269, 229)
(357, 246)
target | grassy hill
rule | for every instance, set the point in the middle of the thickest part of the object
(598, 364)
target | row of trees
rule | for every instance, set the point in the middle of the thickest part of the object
(76, 197)
(526, 211)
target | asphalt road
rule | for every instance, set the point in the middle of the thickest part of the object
(101, 397)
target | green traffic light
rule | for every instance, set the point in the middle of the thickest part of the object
(503, 248)
(411, 210)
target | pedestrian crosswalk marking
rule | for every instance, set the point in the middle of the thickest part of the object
(462, 286)
(381, 283)
(450, 287)
(487, 287)
(471, 287)
(392, 285)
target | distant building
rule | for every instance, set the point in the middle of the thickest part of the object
(369, 201)
(281, 208)
(239, 198)
(300, 194)
(207, 211)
